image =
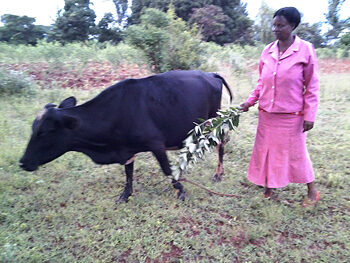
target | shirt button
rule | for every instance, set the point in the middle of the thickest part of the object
(273, 87)
(272, 100)
(274, 73)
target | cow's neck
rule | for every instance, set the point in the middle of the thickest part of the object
(86, 143)
(88, 133)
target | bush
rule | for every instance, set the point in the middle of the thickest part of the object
(333, 52)
(343, 52)
(15, 82)
(233, 57)
(166, 41)
(345, 40)
(326, 52)
(183, 49)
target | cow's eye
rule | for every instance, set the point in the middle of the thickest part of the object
(41, 133)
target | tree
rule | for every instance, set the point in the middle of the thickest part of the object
(311, 33)
(263, 24)
(139, 6)
(238, 27)
(21, 30)
(121, 7)
(76, 22)
(337, 25)
(210, 20)
(105, 30)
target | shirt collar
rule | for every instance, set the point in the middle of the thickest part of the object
(293, 48)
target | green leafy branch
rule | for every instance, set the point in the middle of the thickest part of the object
(204, 136)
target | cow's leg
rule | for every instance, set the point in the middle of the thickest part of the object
(220, 167)
(164, 164)
(129, 169)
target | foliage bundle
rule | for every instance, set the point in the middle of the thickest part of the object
(204, 136)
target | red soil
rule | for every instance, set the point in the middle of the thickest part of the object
(91, 76)
(101, 75)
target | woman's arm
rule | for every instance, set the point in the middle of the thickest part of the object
(311, 87)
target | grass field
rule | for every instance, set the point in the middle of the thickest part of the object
(66, 211)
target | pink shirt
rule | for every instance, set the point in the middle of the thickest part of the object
(289, 83)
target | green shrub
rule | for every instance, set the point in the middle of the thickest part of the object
(15, 82)
(325, 53)
(183, 49)
(216, 57)
(333, 52)
(166, 41)
(343, 52)
(249, 52)
(345, 40)
(150, 36)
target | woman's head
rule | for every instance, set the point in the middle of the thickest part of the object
(285, 20)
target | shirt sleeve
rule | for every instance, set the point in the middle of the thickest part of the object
(311, 84)
(254, 96)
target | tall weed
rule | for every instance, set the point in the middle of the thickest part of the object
(15, 82)
(333, 52)
(122, 54)
(74, 53)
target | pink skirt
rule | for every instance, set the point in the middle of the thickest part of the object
(280, 155)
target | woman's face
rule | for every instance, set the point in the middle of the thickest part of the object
(281, 28)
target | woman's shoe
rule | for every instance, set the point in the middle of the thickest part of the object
(268, 195)
(309, 203)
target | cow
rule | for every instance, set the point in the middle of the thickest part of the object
(152, 114)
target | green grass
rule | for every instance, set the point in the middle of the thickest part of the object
(66, 211)
(73, 53)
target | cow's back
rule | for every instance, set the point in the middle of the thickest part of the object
(160, 108)
(177, 99)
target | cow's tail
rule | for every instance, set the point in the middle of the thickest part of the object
(225, 84)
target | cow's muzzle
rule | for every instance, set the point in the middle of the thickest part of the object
(27, 167)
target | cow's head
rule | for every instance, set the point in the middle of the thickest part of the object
(50, 135)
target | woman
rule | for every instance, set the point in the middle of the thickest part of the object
(287, 92)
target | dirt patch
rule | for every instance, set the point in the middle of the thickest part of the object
(101, 75)
(91, 76)
(174, 253)
(334, 65)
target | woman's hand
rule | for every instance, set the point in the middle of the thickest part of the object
(308, 125)
(245, 106)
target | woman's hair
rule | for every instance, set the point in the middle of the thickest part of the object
(291, 14)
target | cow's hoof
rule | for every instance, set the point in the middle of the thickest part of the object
(121, 200)
(124, 198)
(181, 196)
(218, 177)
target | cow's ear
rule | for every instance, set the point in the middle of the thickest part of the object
(68, 103)
(70, 122)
